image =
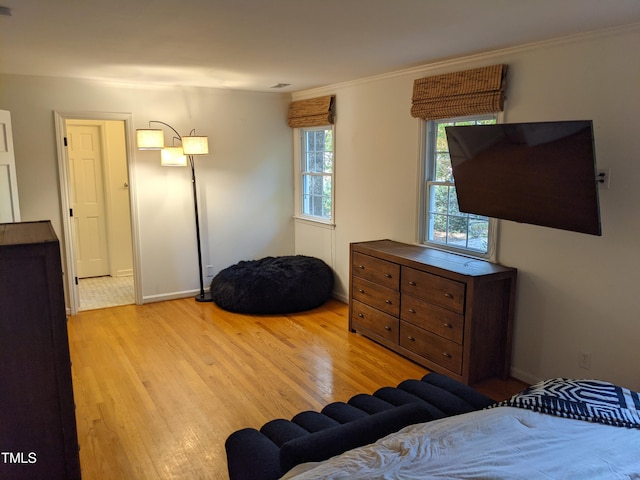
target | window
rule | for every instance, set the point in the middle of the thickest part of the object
(316, 158)
(443, 224)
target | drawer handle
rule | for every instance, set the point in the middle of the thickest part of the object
(388, 302)
(361, 290)
(360, 315)
(447, 325)
(361, 267)
(411, 310)
(388, 275)
(387, 328)
(448, 355)
(448, 295)
(411, 338)
(413, 284)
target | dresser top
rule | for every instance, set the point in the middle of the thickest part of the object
(23, 233)
(430, 256)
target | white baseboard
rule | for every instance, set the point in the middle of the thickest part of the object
(169, 296)
(192, 293)
(524, 376)
(340, 296)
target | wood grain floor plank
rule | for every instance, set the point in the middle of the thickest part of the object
(159, 387)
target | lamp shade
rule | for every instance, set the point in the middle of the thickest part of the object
(172, 157)
(195, 145)
(149, 139)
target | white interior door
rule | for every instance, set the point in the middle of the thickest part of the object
(88, 201)
(9, 206)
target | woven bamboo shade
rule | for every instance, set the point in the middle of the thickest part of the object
(313, 112)
(470, 92)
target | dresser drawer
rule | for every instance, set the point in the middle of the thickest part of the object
(438, 320)
(433, 289)
(376, 270)
(375, 321)
(440, 309)
(377, 296)
(443, 352)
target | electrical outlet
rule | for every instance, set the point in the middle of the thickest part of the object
(585, 360)
(604, 178)
(210, 271)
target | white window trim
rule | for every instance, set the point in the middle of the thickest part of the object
(422, 220)
(297, 179)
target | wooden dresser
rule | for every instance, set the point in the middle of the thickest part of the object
(450, 313)
(38, 438)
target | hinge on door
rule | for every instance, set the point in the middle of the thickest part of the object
(65, 141)
(76, 280)
(71, 212)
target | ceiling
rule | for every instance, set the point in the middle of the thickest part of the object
(256, 44)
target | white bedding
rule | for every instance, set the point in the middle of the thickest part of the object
(499, 443)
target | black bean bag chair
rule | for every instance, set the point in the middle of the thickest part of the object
(273, 285)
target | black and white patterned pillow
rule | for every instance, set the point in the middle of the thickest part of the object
(590, 400)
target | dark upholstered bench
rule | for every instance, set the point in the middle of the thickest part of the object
(315, 436)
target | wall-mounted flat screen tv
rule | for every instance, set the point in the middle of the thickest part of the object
(538, 173)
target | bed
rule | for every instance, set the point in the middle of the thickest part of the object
(557, 429)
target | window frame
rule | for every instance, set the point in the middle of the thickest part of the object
(300, 172)
(427, 168)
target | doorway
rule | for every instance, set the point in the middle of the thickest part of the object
(95, 178)
(9, 205)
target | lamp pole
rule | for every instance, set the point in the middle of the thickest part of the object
(153, 139)
(203, 296)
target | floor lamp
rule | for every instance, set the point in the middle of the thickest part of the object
(153, 139)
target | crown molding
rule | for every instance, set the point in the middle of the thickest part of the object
(426, 69)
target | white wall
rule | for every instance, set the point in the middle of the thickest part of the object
(245, 184)
(577, 293)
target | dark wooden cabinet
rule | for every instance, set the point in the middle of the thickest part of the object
(38, 437)
(450, 313)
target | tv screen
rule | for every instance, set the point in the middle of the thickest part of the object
(538, 173)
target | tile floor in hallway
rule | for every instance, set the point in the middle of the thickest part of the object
(103, 292)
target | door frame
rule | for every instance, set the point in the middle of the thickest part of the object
(10, 163)
(65, 201)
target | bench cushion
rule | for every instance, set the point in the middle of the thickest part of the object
(281, 444)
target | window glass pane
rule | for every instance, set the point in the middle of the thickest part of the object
(443, 171)
(457, 231)
(313, 186)
(441, 136)
(327, 162)
(439, 198)
(478, 232)
(326, 196)
(317, 173)
(319, 151)
(317, 195)
(454, 208)
(318, 162)
(446, 224)
(438, 228)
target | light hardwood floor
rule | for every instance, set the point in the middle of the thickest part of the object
(159, 387)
